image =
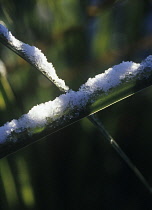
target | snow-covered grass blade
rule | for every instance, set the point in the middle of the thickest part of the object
(33, 55)
(97, 93)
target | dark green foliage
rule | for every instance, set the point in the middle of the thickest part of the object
(75, 168)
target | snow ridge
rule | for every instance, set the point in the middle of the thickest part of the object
(38, 116)
(36, 57)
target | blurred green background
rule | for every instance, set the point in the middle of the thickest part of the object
(76, 168)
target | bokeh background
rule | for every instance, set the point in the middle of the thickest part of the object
(76, 168)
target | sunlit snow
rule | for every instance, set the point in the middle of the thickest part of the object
(74, 100)
(36, 57)
(38, 116)
(111, 77)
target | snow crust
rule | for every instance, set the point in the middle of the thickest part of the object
(38, 116)
(36, 57)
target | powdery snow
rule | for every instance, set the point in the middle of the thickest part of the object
(112, 77)
(41, 115)
(38, 116)
(36, 57)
